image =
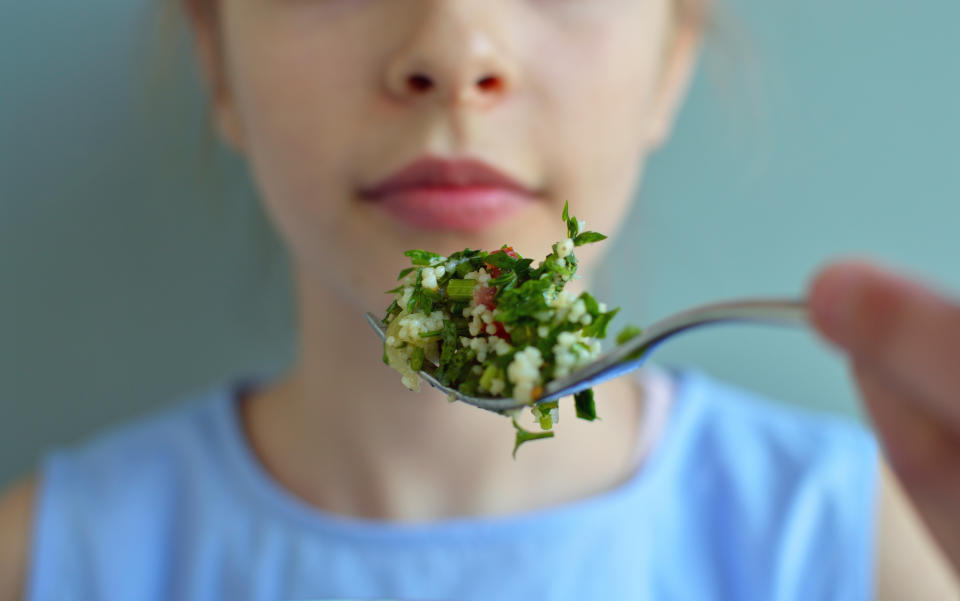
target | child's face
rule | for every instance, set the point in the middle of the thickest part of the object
(327, 98)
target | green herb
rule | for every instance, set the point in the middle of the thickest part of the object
(544, 413)
(486, 380)
(586, 408)
(443, 280)
(561, 270)
(404, 273)
(501, 260)
(524, 436)
(469, 387)
(422, 299)
(423, 257)
(464, 268)
(580, 346)
(450, 372)
(588, 238)
(418, 285)
(416, 358)
(524, 334)
(448, 336)
(573, 226)
(458, 290)
(593, 307)
(628, 333)
(526, 300)
(465, 255)
(598, 327)
(393, 309)
(507, 281)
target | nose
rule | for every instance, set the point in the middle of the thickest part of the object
(451, 58)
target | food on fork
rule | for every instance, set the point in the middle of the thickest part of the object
(496, 326)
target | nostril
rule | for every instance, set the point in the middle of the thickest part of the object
(419, 83)
(490, 83)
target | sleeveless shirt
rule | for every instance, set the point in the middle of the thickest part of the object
(739, 498)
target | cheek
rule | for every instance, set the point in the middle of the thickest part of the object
(601, 98)
(299, 136)
(294, 129)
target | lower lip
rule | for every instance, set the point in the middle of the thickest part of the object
(454, 208)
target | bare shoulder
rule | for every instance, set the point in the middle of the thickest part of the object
(16, 509)
(909, 564)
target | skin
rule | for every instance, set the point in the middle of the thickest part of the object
(901, 339)
(271, 65)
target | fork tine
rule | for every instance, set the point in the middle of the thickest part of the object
(377, 325)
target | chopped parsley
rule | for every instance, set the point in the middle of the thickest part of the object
(497, 325)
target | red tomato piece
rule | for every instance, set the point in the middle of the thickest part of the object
(502, 331)
(508, 250)
(485, 295)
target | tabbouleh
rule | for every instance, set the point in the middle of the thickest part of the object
(496, 325)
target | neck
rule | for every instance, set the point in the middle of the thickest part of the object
(341, 432)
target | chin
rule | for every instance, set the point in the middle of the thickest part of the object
(531, 235)
(530, 230)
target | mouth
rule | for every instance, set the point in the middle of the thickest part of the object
(438, 194)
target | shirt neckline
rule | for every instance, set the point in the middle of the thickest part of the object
(276, 500)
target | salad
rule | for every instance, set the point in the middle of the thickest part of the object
(496, 325)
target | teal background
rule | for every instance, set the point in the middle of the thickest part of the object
(136, 265)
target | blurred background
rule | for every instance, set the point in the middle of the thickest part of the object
(136, 266)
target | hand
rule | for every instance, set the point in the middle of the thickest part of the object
(903, 343)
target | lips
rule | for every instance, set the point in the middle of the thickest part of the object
(437, 194)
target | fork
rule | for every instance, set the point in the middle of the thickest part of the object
(630, 355)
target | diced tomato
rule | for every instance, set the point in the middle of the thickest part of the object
(485, 295)
(502, 331)
(508, 250)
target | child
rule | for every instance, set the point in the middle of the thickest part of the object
(375, 126)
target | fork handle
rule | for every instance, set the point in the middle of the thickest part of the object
(789, 312)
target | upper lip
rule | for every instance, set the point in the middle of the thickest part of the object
(444, 173)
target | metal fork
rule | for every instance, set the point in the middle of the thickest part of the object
(630, 355)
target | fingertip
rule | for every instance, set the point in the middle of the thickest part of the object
(858, 305)
(833, 297)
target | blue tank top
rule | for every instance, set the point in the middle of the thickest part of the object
(741, 498)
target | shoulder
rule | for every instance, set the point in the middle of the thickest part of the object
(182, 434)
(15, 519)
(119, 494)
